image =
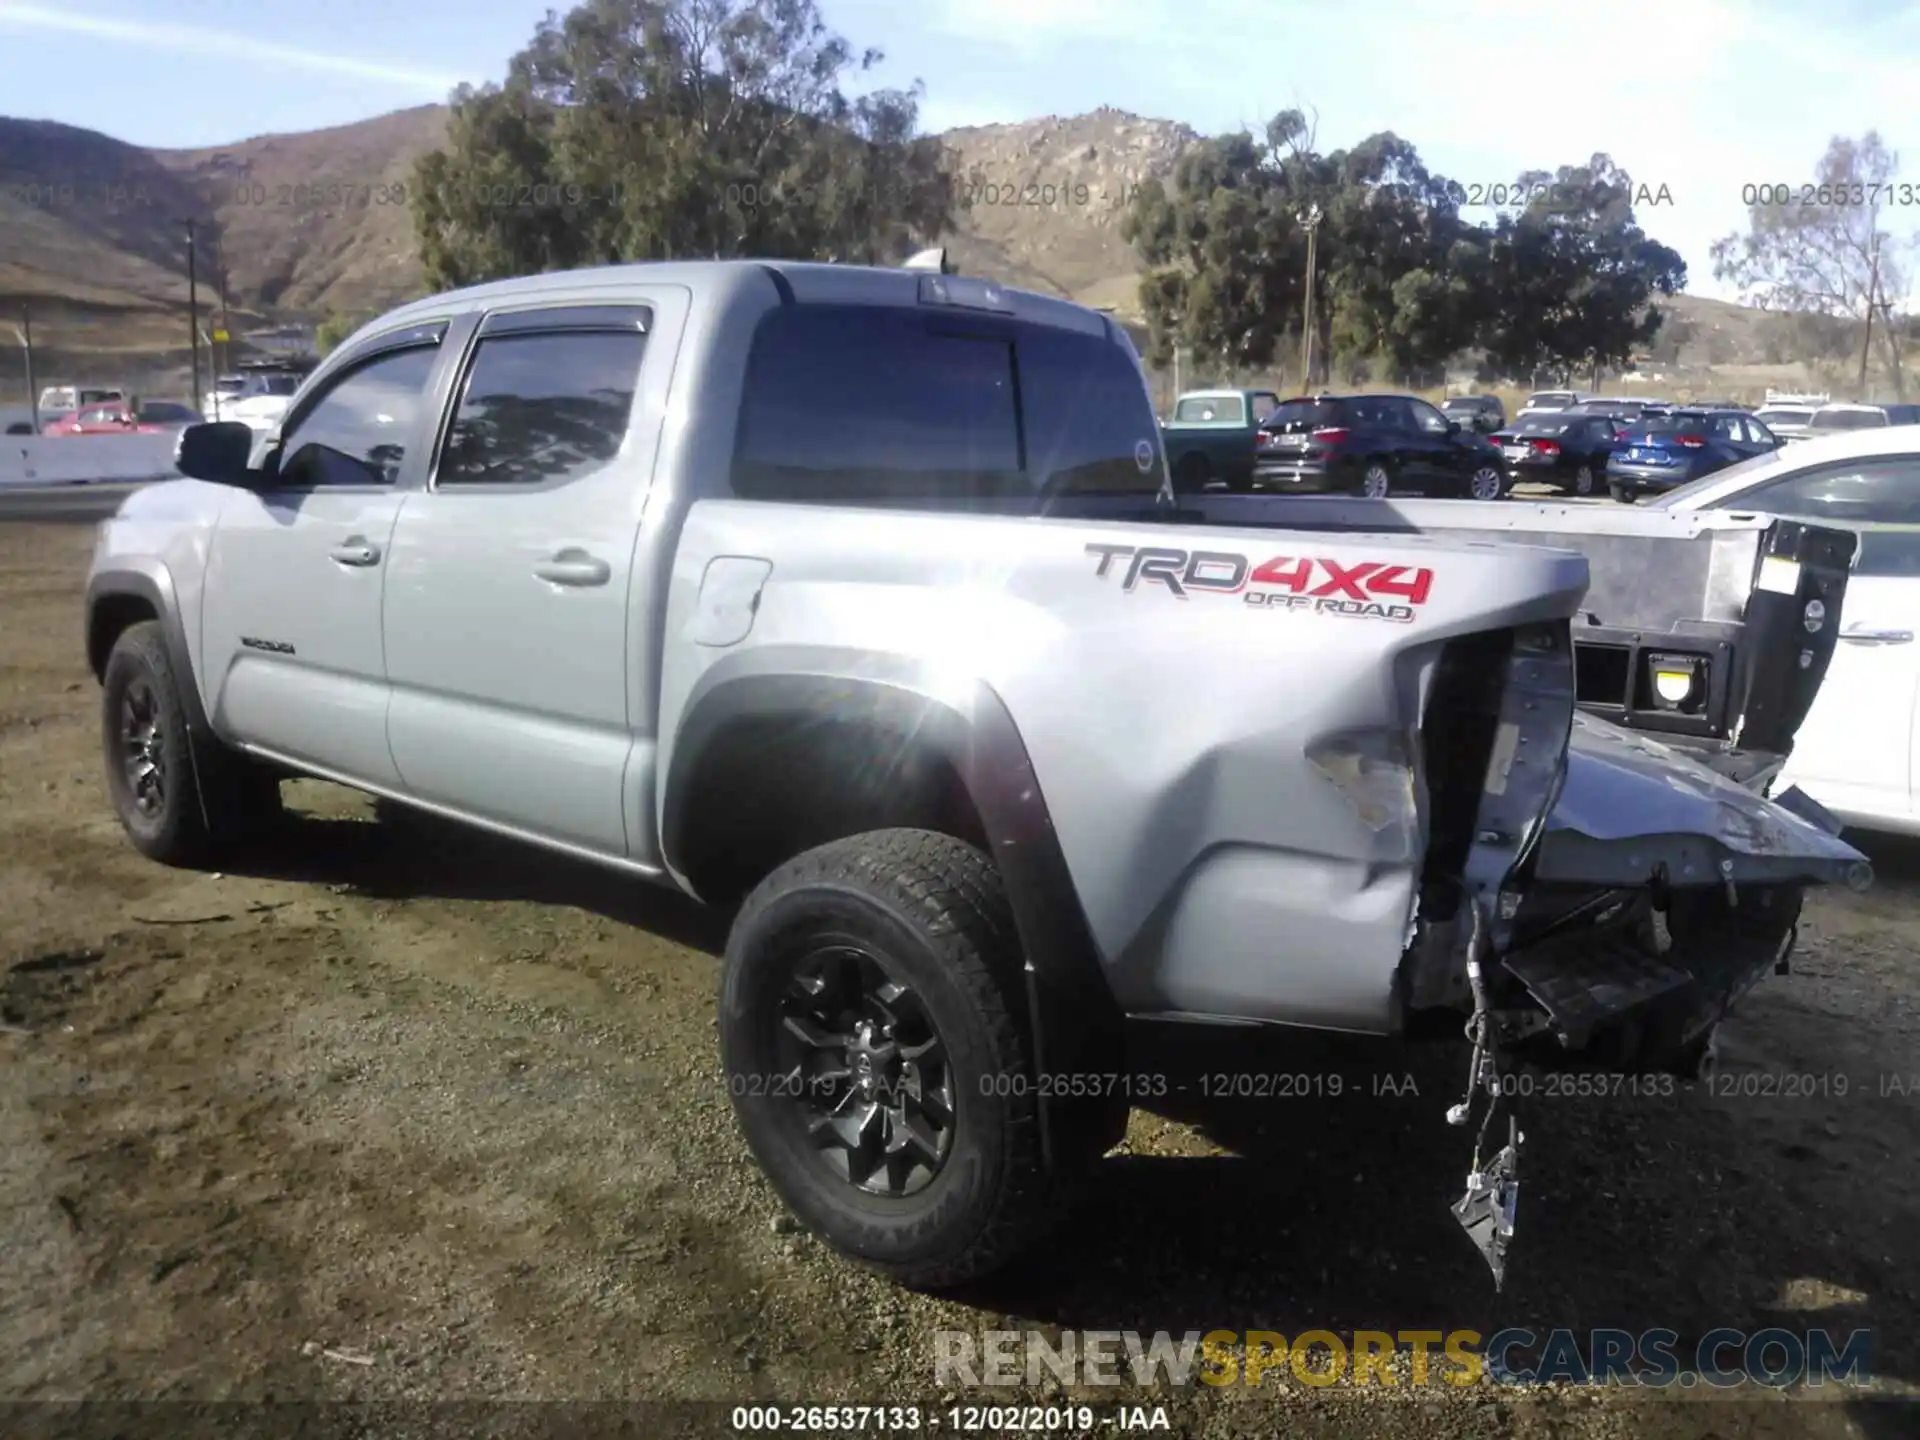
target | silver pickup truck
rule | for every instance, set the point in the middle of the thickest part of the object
(859, 600)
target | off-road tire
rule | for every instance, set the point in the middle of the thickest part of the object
(209, 796)
(932, 911)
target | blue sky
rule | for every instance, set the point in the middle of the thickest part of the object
(1701, 96)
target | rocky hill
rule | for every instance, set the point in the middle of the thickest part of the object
(92, 229)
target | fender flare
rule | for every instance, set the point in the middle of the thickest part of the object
(1076, 1025)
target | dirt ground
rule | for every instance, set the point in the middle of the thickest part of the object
(402, 1115)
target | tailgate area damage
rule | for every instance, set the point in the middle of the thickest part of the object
(1647, 899)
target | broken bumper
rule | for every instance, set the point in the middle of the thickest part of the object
(1726, 866)
(1634, 812)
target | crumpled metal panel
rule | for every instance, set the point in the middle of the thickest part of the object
(1631, 806)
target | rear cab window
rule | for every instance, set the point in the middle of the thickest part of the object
(1211, 410)
(889, 405)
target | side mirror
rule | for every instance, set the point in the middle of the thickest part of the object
(1453, 427)
(215, 451)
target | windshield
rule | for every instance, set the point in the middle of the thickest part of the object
(1468, 407)
(1210, 410)
(1783, 416)
(1294, 416)
(1834, 419)
(1733, 478)
(281, 384)
(1550, 400)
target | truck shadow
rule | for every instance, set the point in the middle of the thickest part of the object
(408, 854)
(1317, 1171)
(1331, 1211)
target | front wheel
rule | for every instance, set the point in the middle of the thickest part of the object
(875, 1050)
(1620, 495)
(1487, 483)
(178, 802)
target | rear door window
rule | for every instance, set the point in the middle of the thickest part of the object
(872, 405)
(542, 408)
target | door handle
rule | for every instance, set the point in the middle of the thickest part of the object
(356, 550)
(574, 567)
(1858, 636)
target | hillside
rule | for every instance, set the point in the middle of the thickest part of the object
(92, 234)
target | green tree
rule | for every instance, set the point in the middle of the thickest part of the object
(666, 129)
(333, 329)
(1575, 275)
(1401, 277)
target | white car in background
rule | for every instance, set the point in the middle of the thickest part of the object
(257, 398)
(1858, 751)
(1789, 422)
(1542, 402)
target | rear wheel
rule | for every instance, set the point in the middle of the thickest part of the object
(1487, 483)
(1376, 481)
(1583, 480)
(873, 1035)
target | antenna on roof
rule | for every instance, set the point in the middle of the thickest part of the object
(934, 260)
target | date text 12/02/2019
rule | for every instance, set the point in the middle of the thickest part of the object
(957, 1419)
(503, 195)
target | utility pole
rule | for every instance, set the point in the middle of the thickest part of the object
(26, 344)
(193, 310)
(1312, 221)
(223, 332)
(1873, 291)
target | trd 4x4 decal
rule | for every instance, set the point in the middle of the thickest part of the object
(1364, 590)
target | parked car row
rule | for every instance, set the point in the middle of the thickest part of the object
(114, 415)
